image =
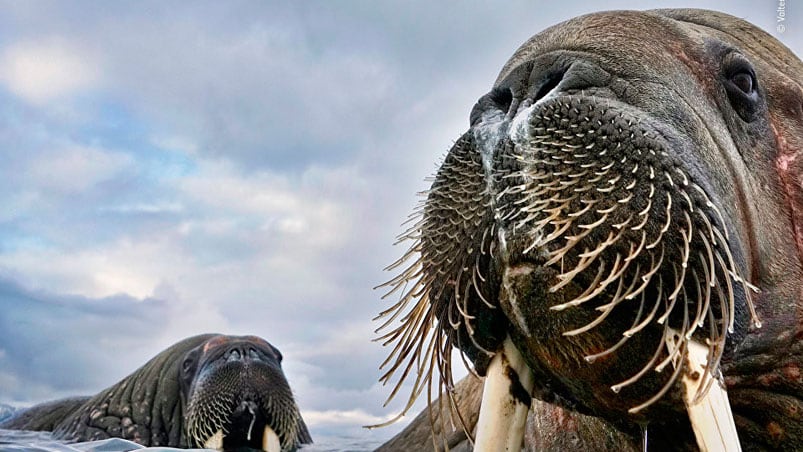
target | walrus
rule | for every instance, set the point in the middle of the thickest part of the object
(620, 232)
(213, 391)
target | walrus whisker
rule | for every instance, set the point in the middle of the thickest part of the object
(648, 319)
(678, 350)
(555, 256)
(624, 338)
(402, 350)
(606, 310)
(593, 288)
(637, 251)
(647, 277)
(665, 388)
(706, 377)
(398, 308)
(637, 376)
(618, 297)
(747, 287)
(699, 304)
(566, 277)
(673, 296)
(673, 354)
(731, 307)
(590, 289)
(714, 345)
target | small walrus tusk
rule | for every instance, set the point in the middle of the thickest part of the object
(215, 441)
(270, 441)
(711, 416)
(503, 413)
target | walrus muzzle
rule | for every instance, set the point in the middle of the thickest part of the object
(237, 397)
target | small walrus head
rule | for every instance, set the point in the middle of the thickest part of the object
(236, 396)
(610, 204)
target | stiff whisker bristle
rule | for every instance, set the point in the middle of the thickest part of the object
(601, 216)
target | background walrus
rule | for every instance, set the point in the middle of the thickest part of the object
(213, 391)
(624, 190)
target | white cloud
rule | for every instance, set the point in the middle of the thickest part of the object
(41, 71)
(147, 208)
(312, 208)
(121, 267)
(348, 418)
(73, 169)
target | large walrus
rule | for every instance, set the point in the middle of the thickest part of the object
(213, 391)
(620, 232)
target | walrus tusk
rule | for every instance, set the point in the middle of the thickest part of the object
(215, 441)
(711, 416)
(270, 441)
(505, 402)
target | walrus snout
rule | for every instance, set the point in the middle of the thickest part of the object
(239, 398)
(608, 204)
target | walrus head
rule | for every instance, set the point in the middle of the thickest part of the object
(236, 396)
(624, 190)
(211, 390)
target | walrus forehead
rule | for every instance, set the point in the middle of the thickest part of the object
(216, 343)
(646, 36)
(676, 43)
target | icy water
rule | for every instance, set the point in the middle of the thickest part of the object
(24, 441)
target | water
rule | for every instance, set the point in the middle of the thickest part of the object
(25, 441)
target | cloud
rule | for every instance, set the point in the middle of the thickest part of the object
(74, 169)
(46, 70)
(342, 418)
(63, 345)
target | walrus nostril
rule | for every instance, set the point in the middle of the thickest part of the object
(577, 76)
(550, 82)
(502, 98)
(499, 99)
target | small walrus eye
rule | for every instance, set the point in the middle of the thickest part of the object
(744, 82)
(741, 86)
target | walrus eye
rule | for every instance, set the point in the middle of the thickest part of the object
(187, 365)
(744, 82)
(742, 87)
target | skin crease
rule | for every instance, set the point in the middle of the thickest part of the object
(665, 69)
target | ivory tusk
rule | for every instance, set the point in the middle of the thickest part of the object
(270, 441)
(711, 416)
(505, 402)
(215, 441)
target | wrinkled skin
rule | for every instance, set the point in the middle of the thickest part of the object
(690, 123)
(549, 428)
(175, 399)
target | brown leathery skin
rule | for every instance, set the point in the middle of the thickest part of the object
(689, 120)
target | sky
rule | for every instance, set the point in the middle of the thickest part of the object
(176, 168)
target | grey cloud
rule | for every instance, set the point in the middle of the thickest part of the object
(60, 344)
